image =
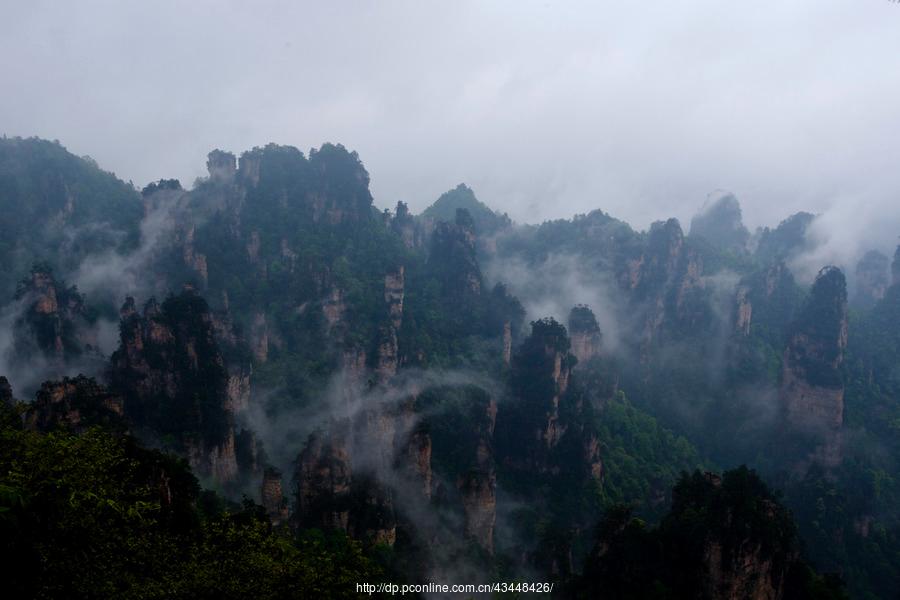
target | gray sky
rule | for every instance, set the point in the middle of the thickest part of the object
(545, 108)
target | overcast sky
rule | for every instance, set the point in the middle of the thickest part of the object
(546, 109)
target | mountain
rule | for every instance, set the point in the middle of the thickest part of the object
(725, 537)
(720, 224)
(447, 397)
(59, 208)
(485, 220)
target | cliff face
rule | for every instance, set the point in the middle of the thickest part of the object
(767, 298)
(453, 256)
(895, 267)
(743, 310)
(74, 403)
(721, 225)
(812, 391)
(222, 166)
(331, 186)
(371, 474)
(546, 412)
(478, 491)
(404, 225)
(174, 382)
(60, 208)
(786, 240)
(54, 322)
(872, 279)
(393, 296)
(664, 282)
(725, 538)
(323, 478)
(388, 350)
(584, 333)
(332, 494)
(734, 563)
(272, 496)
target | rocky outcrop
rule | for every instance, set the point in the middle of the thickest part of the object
(387, 354)
(665, 282)
(323, 478)
(253, 247)
(872, 279)
(453, 257)
(272, 496)
(333, 308)
(416, 462)
(354, 475)
(477, 488)
(259, 337)
(194, 260)
(172, 376)
(405, 226)
(470, 431)
(76, 404)
(584, 333)
(393, 296)
(785, 241)
(812, 390)
(331, 496)
(221, 166)
(744, 310)
(740, 568)
(532, 428)
(388, 351)
(719, 223)
(895, 267)
(507, 342)
(249, 168)
(53, 323)
(767, 297)
(725, 538)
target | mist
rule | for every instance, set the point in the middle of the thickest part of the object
(546, 109)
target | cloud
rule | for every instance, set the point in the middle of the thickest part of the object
(553, 287)
(546, 109)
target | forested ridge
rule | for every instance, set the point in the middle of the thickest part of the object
(265, 386)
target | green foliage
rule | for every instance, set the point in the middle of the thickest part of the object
(822, 322)
(53, 315)
(786, 240)
(484, 221)
(459, 419)
(720, 224)
(95, 516)
(718, 531)
(82, 209)
(641, 459)
(582, 319)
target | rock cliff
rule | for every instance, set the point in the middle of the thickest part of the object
(812, 390)
(725, 538)
(172, 376)
(584, 333)
(872, 278)
(75, 403)
(54, 322)
(453, 256)
(720, 224)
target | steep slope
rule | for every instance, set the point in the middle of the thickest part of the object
(812, 389)
(720, 224)
(58, 208)
(726, 537)
(175, 385)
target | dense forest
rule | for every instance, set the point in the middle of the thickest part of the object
(265, 386)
